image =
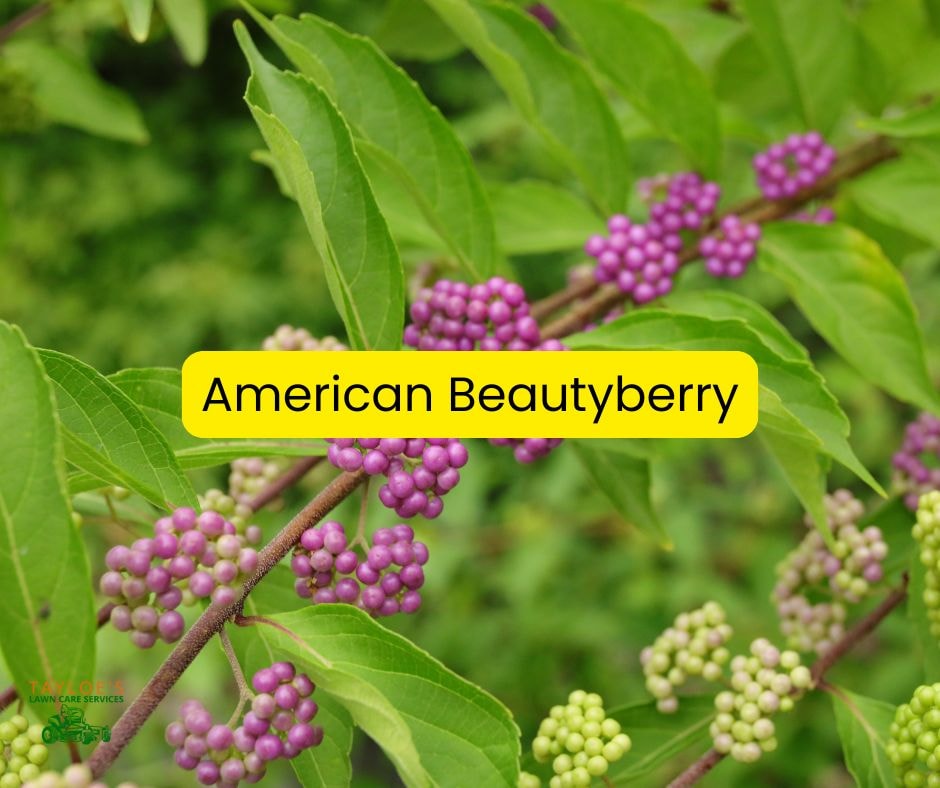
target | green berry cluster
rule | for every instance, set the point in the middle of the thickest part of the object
(580, 740)
(914, 743)
(528, 780)
(250, 475)
(78, 775)
(762, 684)
(693, 646)
(927, 533)
(21, 751)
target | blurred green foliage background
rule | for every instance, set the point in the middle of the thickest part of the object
(137, 255)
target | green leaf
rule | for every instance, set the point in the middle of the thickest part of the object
(189, 24)
(653, 72)
(68, 91)
(552, 90)
(138, 13)
(47, 614)
(798, 453)
(534, 217)
(902, 194)
(658, 738)
(856, 300)
(314, 149)
(811, 44)
(863, 725)
(625, 480)
(327, 766)
(920, 122)
(796, 383)
(158, 393)
(408, 135)
(917, 613)
(107, 435)
(428, 720)
(411, 31)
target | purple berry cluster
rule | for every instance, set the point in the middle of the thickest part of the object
(189, 557)
(528, 450)
(786, 168)
(418, 471)
(642, 259)
(278, 726)
(917, 462)
(385, 582)
(845, 574)
(824, 214)
(730, 249)
(459, 316)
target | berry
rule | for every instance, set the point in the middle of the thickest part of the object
(221, 755)
(786, 168)
(579, 740)
(811, 570)
(730, 250)
(419, 471)
(912, 741)
(383, 581)
(458, 316)
(693, 646)
(763, 682)
(915, 463)
(527, 450)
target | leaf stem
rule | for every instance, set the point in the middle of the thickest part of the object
(244, 691)
(248, 621)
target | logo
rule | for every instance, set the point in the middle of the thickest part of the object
(69, 692)
(69, 726)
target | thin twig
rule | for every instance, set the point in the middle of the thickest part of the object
(244, 691)
(29, 16)
(846, 643)
(212, 620)
(250, 621)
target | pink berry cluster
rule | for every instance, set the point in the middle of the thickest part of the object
(418, 471)
(917, 462)
(642, 259)
(729, 251)
(452, 315)
(250, 475)
(845, 574)
(385, 582)
(786, 168)
(528, 450)
(824, 214)
(278, 726)
(189, 557)
(289, 338)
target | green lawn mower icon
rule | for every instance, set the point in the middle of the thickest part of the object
(69, 725)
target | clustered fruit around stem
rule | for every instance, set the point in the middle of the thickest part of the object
(384, 582)
(762, 683)
(815, 583)
(693, 646)
(917, 462)
(580, 740)
(419, 472)
(914, 739)
(22, 752)
(190, 557)
(926, 533)
(278, 726)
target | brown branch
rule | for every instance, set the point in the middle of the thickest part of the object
(29, 16)
(212, 621)
(600, 299)
(846, 643)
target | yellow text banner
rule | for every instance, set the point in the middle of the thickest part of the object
(518, 394)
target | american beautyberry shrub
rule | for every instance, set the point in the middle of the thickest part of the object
(786, 168)
(927, 534)
(814, 584)
(22, 752)
(914, 739)
(189, 558)
(730, 250)
(693, 646)
(419, 472)
(289, 338)
(917, 462)
(580, 740)
(762, 683)
(452, 315)
(384, 581)
(279, 725)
